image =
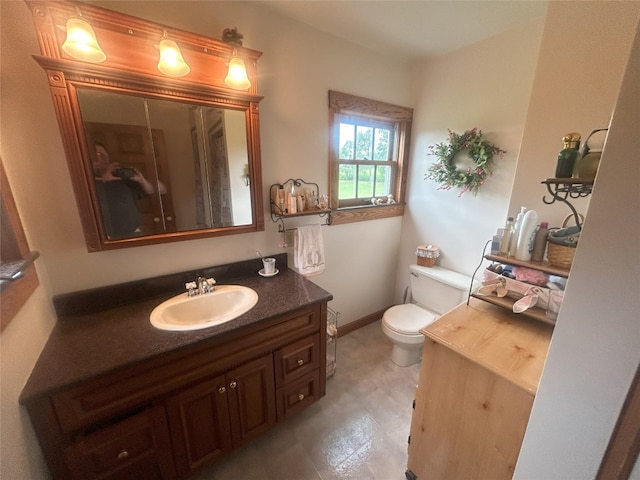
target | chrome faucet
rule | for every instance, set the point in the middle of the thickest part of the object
(200, 286)
(205, 285)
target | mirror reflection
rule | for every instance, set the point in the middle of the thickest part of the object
(162, 166)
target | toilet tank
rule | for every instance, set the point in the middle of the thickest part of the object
(438, 289)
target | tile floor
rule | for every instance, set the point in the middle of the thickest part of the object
(357, 431)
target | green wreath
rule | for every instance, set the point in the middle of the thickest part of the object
(445, 172)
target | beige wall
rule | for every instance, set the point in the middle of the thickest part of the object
(594, 352)
(486, 85)
(577, 81)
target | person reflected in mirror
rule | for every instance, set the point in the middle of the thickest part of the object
(119, 189)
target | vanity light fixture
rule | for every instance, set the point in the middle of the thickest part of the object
(237, 76)
(81, 42)
(171, 62)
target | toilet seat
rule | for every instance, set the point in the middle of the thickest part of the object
(407, 319)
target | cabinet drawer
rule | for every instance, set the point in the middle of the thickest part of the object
(138, 447)
(298, 395)
(297, 359)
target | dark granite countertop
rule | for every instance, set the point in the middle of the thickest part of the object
(86, 345)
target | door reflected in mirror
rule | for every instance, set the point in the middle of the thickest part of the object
(162, 166)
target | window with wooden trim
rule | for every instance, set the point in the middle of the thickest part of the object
(369, 152)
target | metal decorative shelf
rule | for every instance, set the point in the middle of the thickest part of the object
(563, 189)
(507, 302)
(280, 211)
(13, 270)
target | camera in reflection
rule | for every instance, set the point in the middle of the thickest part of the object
(125, 173)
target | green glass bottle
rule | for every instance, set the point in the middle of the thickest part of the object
(568, 155)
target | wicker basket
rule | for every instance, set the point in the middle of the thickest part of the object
(560, 255)
(427, 255)
(426, 262)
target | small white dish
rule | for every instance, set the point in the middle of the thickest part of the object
(261, 272)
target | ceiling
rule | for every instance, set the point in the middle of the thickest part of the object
(411, 30)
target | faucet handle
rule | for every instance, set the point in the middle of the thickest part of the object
(191, 288)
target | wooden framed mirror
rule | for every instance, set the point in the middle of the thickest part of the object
(20, 279)
(153, 158)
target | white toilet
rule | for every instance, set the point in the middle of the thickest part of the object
(434, 291)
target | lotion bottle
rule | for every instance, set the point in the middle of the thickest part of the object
(540, 242)
(526, 236)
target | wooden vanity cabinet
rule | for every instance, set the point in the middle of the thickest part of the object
(166, 417)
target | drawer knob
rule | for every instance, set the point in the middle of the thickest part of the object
(123, 454)
(300, 362)
(233, 384)
(222, 389)
(301, 396)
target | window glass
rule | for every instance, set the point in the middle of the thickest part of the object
(363, 146)
(381, 144)
(364, 140)
(346, 141)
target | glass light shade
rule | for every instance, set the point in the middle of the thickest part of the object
(237, 75)
(81, 42)
(171, 62)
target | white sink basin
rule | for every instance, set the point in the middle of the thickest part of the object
(182, 312)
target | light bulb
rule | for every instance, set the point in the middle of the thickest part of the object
(237, 75)
(171, 62)
(81, 42)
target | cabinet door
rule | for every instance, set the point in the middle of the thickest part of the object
(199, 424)
(468, 422)
(252, 405)
(134, 448)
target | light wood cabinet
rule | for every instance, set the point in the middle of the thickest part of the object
(480, 371)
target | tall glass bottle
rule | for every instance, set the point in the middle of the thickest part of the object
(507, 237)
(568, 155)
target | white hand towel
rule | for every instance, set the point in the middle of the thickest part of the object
(308, 250)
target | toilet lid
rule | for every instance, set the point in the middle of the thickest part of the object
(408, 318)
